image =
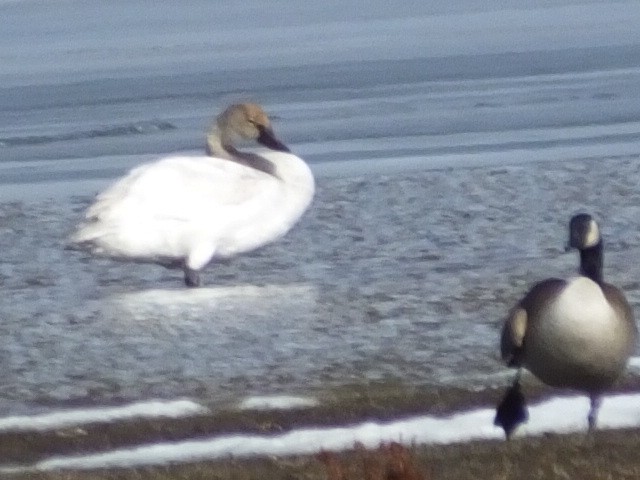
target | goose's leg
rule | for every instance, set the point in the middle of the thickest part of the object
(191, 277)
(593, 412)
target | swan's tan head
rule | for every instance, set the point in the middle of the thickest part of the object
(247, 121)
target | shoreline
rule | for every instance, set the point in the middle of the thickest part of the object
(426, 421)
(598, 455)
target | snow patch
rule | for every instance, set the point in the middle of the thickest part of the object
(63, 419)
(562, 415)
(277, 402)
(634, 364)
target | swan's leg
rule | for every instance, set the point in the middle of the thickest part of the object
(191, 277)
(516, 380)
(198, 258)
(593, 412)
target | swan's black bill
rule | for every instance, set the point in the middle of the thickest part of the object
(268, 139)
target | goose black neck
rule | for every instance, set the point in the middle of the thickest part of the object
(591, 262)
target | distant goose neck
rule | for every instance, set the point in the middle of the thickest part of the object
(591, 260)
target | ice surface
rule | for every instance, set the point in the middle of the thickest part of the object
(228, 36)
(451, 142)
(383, 128)
(402, 277)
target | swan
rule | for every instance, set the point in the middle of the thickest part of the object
(185, 211)
(577, 333)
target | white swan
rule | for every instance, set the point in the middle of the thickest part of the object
(188, 210)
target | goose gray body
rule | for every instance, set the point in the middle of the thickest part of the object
(571, 333)
(577, 333)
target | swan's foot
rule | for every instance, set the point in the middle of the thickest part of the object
(593, 412)
(512, 409)
(191, 277)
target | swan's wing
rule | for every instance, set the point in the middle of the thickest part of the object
(182, 188)
(163, 208)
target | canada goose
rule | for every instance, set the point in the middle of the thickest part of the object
(185, 211)
(576, 333)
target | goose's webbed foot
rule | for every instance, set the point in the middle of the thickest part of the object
(512, 409)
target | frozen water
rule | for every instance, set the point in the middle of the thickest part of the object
(108, 40)
(451, 142)
(399, 277)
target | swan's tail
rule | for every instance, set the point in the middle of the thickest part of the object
(87, 237)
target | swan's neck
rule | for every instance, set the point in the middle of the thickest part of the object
(215, 146)
(218, 147)
(591, 260)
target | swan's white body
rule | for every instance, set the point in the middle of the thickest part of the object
(195, 209)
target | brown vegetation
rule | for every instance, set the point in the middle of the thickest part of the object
(388, 462)
(601, 455)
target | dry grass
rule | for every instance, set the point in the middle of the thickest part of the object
(381, 404)
(388, 462)
(605, 455)
(601, 455)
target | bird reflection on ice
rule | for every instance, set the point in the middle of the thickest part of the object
(240, 301)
